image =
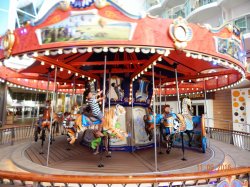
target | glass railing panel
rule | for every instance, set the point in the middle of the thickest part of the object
(192, 5)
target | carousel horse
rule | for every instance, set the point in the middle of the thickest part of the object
(178, 123)
(87, 124)
(44, 123)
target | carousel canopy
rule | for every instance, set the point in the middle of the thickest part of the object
(79, 40)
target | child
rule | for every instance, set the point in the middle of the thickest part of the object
(93, 103)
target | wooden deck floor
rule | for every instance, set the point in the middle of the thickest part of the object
(80, 158)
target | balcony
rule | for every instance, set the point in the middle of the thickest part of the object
(188, 9)
(176, 12)
(243, 23)
(192, 5)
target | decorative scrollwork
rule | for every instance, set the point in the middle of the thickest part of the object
(8, 43)
(181, 33)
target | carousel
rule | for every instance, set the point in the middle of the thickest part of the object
(93, 46)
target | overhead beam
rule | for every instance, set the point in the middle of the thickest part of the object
(84, 57)
(66, 66)
(169, 68)
(149, 62)
(100, 63)
(113, 70)
(156, 75)
(200, 76)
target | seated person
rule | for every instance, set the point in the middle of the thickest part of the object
(95, 108)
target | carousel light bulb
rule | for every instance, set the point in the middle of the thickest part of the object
(152, 50)
(52, 66)
(42, 63)
(210, 59)
(105, 49)
(89, 78)
(61, 69)
(160, 58)
(154, 63)
(121, 49)
(167, 52)
(142, 72)
(76, 74)
(25, 56)
(42, 81)
(35, 54)
(190, 80)
(60, 51)
(226, 76)
(46, 52)
(89, 50)
(69, 72)
(74, 50)
(188, 54)
(137, 49)
(83, 76)
(65, 84)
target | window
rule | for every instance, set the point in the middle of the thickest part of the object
(241, 23)
(198, 109)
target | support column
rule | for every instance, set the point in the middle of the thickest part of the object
(3, 103)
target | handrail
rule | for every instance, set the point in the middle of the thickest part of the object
(125, 179)
(225, 120)
(226, 130)
(15, 126)
(9, 135)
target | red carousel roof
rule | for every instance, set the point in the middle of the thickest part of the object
(77, 41)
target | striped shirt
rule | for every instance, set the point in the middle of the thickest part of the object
(94, 106)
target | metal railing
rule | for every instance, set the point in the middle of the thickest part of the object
(10, 135)
(191, 5)
(13, 134)
(176, 12)
(187, 8)
(182, 179)
(237, 138)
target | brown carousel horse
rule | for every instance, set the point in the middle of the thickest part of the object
(44, 123)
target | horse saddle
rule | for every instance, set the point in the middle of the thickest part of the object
(87, 121)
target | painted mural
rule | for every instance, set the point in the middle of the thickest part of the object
(229, 46)
(85, 25)
(240, 102)
(139, 126)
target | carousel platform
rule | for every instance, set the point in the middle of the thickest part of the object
(80, 160)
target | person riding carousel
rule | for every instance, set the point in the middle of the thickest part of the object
(92, 101)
